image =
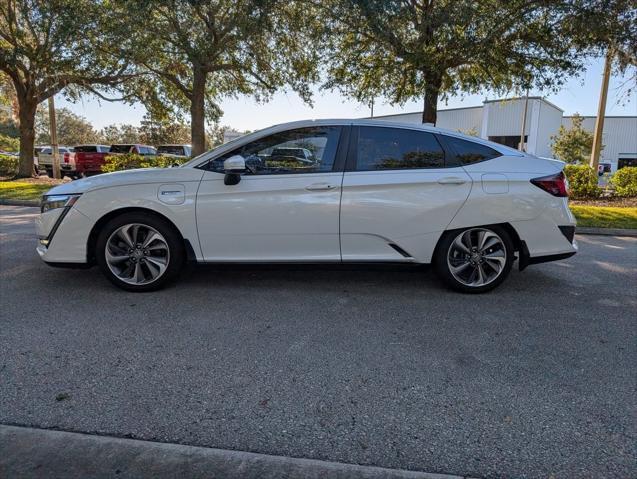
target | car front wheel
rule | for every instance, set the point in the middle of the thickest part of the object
(139, 252)
(474, 260)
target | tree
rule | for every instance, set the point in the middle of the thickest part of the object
(154, 131)
(608, 28)
(50, 45)
(573, 145)
(431, 49)
(200, 51)
(114, 134)
(72, 129)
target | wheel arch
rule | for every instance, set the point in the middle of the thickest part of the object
(99, 224)
(515, 238)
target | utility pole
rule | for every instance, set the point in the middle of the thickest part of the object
(522, 134)
(54, 139)
(601, 112)
(372, 107)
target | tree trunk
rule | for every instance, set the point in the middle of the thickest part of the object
(197, 112)
(430, 109)
(28, 107)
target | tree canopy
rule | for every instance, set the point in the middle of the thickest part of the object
(72, 129)
(201, 51)
(47, 46)
(431, 49)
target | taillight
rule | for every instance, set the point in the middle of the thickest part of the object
(66, 157)
(553, 184)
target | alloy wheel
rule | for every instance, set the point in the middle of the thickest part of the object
(477, 257)
(137, 254)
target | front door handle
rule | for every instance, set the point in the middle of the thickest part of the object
(452, 180)
(320, 187)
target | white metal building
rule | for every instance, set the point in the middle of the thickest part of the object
(501, 121)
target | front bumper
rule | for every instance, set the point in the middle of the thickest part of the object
(63, 236)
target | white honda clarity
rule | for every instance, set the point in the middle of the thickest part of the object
(337, 191)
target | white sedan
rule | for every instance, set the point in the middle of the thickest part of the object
(374, 192)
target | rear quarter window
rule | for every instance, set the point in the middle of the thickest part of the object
(469, 152)
(86, 149)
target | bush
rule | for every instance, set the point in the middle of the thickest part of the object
(9, 165)
(582, 181)
(625, 181)
(8, 143)
(131, 161)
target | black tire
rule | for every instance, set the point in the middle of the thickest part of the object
(173, 240)
(441, 261)
(49, 172)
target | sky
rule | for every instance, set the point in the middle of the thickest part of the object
(579, 95)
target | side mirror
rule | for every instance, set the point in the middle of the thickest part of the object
(233, 167)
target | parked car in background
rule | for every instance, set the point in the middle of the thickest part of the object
(176, 151)
(67, 161)
(90, 158)
(376, 192)
(604, 168)
(144, 150)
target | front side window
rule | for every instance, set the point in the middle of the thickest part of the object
(304, 150)
(468, 152)
(382, 148)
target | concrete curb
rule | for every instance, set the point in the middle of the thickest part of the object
(605, 231)
(19, 202)
(41, 453)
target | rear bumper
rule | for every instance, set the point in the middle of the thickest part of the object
(527, 260)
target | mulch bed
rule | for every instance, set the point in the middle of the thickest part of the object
(42, 180)
(616, 202)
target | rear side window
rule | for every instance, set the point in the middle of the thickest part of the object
(120, 148)
(382, 148)
(86, 149)
(468, 152)
(171, 150)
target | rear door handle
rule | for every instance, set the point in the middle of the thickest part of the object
(452, 180)
(320, 187)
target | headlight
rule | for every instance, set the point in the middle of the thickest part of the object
(52, 202)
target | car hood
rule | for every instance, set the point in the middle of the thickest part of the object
(128, 177)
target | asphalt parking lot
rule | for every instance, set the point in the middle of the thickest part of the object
(381, 367)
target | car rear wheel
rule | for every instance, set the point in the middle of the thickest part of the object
(139, 252)
(474, 260)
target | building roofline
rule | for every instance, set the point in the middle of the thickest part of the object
(504, 100)
(420, 112)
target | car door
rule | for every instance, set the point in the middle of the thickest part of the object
(400, 191)
(283, 209)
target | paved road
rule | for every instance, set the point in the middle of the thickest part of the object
(379, 367)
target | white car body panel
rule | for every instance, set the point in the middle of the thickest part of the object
(409, 208)
(276, 218)
(270, 218)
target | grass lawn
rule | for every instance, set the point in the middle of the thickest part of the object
(25, 189)
(605, 216)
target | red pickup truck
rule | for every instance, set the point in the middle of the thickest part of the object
(90, 158)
